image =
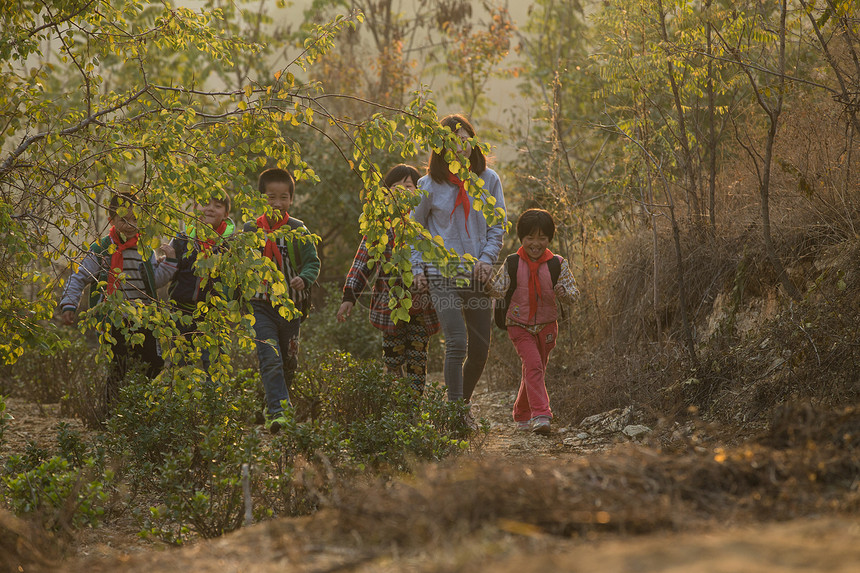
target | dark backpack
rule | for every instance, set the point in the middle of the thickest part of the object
(511, 264)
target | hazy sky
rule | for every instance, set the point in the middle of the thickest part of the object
(508, 104)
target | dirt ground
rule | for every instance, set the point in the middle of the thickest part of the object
(470, 515)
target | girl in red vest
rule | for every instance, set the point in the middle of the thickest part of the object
(536, 278)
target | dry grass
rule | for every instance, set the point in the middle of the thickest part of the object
(24, 546)
(757, 349)
(806, 464)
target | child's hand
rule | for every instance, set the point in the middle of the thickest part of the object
(344, 311)
(298, 283)
(68, 317)
(420, 283)
(559, 289)
(168, 250)
(483, 271)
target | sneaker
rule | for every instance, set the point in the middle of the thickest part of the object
(540, 425)
(469, 421)
(272, 422)
(524, 426)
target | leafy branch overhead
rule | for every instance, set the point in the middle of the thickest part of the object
(106, 97)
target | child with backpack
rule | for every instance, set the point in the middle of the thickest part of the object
(295, 256)
(186, 288)
(117, 265)
(530, 282)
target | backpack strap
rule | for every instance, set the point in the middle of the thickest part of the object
(100, 249)
(511, 264)
(148, 273)
(293, 251)
(554, 265)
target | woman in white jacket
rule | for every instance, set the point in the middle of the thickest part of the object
(447, 210)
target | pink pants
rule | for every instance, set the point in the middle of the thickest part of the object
(533, 349)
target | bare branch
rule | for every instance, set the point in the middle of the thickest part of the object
(83, 124)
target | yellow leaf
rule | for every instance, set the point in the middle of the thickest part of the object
(249, 90)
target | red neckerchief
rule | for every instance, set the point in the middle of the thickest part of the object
(116, 259)
(462, 199)
(209, 243)
(534, 279)
(271, 250)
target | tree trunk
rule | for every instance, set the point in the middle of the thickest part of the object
(764, 189)
(712, 132)
(683, 139)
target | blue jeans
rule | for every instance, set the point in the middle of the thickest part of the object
(277, 341)
(466, 317)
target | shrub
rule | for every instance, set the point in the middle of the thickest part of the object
(60, 493)
(183, 440)
(70, 487)
(69, 361)
(201, 485)
(157, 419)
(365, 418)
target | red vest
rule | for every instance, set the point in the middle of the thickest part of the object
(518, 311)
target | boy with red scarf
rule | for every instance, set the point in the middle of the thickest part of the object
(277, 338)
(531, 318)
(125, 268)
(186, 287)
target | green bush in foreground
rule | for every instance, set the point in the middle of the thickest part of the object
(182, 440)
(69, 488)
(186, 441)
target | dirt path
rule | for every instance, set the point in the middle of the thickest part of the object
(827, 544)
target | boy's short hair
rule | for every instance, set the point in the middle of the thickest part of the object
(400, 172)
(276, 175)
(533, 220)
(120, 200)
(225, 200)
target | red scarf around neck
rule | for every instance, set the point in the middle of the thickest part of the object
(116, 259)
(271, 250)
(462, 199)
(209, 243)
(534, 278)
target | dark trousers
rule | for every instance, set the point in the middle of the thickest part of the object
(125, 356)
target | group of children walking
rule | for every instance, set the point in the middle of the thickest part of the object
(530, 282)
